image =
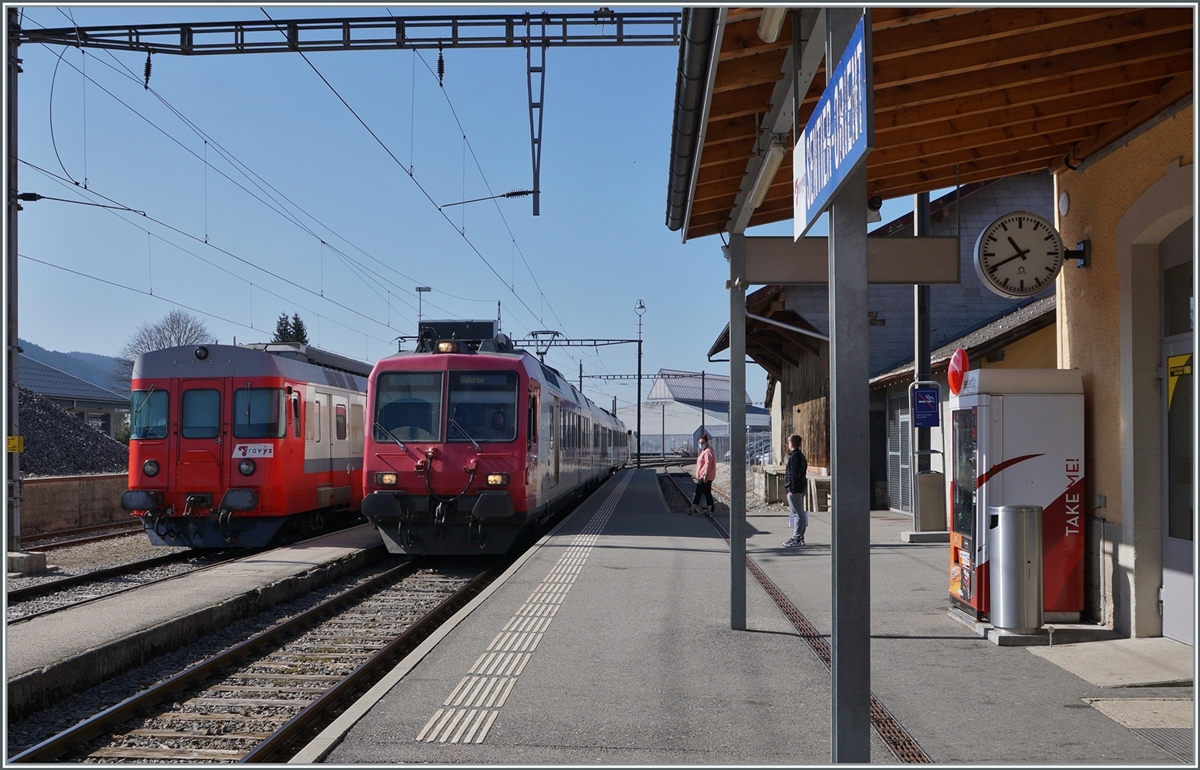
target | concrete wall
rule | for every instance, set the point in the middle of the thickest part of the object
(65, 502)
(1125, 202)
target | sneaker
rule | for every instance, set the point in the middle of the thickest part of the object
(802, 542)
(791, 544)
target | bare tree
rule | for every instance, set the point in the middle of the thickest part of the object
(174, 329)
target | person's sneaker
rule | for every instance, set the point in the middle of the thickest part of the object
(802, 542)
(791, 543)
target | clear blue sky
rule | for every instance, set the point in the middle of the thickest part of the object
(359, 234)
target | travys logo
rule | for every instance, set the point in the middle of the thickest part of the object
(253, 450)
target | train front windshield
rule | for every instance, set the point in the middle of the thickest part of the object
(408, 406)
(482, 406)
(148, 417)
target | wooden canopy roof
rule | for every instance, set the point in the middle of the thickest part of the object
(964, 94)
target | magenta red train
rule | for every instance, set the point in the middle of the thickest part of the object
(456, 448)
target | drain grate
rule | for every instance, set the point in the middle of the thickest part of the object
(898, 741)
(889, 728)
(1176, 741)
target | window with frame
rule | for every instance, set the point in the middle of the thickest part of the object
(148, 414)
(259, 413)
(200, 413)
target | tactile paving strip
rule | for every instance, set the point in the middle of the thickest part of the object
(466, 716)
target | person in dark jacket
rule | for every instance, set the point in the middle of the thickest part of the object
(795, 481)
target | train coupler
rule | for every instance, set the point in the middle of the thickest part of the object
(475, 532)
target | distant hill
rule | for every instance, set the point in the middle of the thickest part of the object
(91, 367)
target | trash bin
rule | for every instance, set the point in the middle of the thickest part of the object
(1015, 543)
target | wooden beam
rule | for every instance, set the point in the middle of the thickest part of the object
(893, 17)
(1011, 86)
(1171, 93)
(1056, 51)
(741, 39)
(748, 101)
(950, 149)
(981, 26)
(1072, 109)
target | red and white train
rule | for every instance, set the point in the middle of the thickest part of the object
(473, 442)
(244, 445)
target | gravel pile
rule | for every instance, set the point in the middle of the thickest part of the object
(57, 443)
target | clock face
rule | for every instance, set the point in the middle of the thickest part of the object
(1018, 255)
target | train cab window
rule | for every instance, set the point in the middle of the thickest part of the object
(296, 415)
(339, 420)
(201, 413)
(482, 406)
(259, 413)
(531, 431)
(148, 414)
(408, 406)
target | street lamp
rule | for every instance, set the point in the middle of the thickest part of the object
(640, 309)
(420, 292)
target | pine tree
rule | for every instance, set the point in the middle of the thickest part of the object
(283, 329)
(299, 332)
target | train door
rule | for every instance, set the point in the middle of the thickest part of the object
(316, 447)
(531, 444)
(199, 467)
(340, 465)
(556, 440)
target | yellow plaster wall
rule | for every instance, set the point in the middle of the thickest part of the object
(1037, 351)
(1088, 299)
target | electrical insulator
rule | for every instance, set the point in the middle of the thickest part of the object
(146, 72)
(441, 67)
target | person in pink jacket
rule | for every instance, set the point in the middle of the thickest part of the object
(706, 471)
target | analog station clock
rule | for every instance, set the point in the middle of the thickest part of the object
(1018, 255)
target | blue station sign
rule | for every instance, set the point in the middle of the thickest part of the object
(926, 409)
(839, 134)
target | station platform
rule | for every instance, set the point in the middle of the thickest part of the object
(51, 656)
(609, 643)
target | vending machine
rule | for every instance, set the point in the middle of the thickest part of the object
(1017, 439)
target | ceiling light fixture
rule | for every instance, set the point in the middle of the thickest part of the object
(767, 171)
(771, 23)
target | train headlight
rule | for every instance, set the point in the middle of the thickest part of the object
(246, 467)
(447, 346)
(150, 467)
(497, 479)
(387, 479)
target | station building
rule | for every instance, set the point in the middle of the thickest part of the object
(98, 407)
(1099, 97)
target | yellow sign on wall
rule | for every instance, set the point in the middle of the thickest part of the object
(16, 443)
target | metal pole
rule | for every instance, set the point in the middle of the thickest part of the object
(639, 396)
(850, 432)
(737, 427)
(921, 359)
(580, 376)
(664, 430)
(12, 392)
(703, 427)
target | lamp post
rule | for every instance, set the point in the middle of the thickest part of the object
(420, 294)
(640, 309)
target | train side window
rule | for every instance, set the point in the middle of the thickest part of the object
(296, 415)
(201, 413)
(259, 413)
(339, 419)
(531, 432)
(356, 427)
(317, 421)
(309, 422)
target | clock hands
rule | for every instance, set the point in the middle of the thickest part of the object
(1020, 254)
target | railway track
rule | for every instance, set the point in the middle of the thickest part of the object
(65, 538)
(56, 595)
(250, 702)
